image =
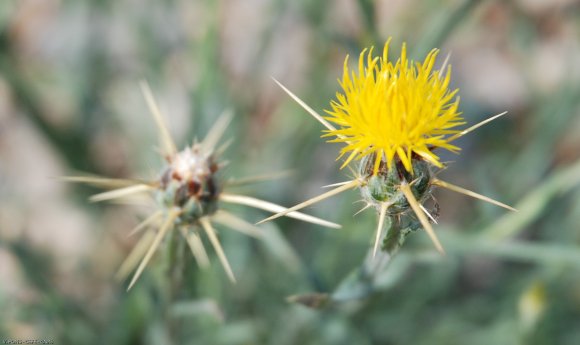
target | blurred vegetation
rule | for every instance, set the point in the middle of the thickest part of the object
(69, 102)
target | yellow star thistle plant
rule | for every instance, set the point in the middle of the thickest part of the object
(392, 117)
(189, 193)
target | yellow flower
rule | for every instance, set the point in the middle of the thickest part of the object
(396, 109)
(394, 113)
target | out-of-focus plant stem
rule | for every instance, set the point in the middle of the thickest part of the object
(171, 284)
(443, 27)
(533, 204)
(518, 251)
(71, 144)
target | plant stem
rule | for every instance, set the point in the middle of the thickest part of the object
(372, 276)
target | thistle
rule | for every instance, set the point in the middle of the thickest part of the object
(392, 117)
(189, 193)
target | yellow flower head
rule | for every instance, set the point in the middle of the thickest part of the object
(401, 109)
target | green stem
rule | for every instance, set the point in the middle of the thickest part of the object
(172, 287)
(374, 275)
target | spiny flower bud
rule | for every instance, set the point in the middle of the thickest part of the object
(189, 193)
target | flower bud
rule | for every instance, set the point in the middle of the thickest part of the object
(190, 184)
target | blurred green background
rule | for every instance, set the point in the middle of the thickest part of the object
(70, 102)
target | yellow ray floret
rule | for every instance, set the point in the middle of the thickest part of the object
(396, 109)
